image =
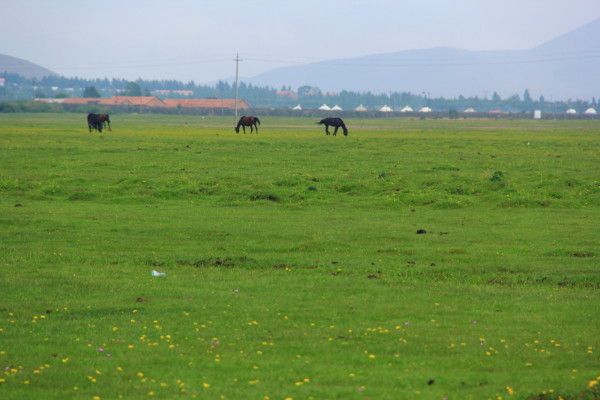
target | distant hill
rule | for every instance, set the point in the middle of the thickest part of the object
(22, 67)
(565, 67)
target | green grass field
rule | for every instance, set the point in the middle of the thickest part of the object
(294, 270)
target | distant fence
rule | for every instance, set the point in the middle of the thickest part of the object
(413, 115)
(31, 106)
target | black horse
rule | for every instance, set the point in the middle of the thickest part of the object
(97, 121)
(335, 122)
(247, 121)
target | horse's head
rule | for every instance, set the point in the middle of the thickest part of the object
(237, 129)
(321, 122)
(345, 131)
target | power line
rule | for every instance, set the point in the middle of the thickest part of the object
(341, 63)
(423, 62)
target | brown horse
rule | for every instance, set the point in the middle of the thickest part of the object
(97, 121)
(247, 121)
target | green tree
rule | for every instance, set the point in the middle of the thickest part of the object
(527, 97)
(90, 91)
(496, 97)
(39, 93)
(304, 91)
(132, 89)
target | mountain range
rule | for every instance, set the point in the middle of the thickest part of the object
(22, 67)
(565, 67)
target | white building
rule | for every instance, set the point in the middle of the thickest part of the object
(360, 108)
(571, 111)
(386, 108)
(336, 108)
(591, 111)
(425, 110)
(51, 101)
(325, 107)
(169, 92)
(297, 108)
(407, 109)
(469, 110)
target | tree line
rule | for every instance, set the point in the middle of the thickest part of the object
(309, 97)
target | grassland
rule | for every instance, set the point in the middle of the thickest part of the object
(294, 269)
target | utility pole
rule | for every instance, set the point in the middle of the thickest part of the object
(237, 69)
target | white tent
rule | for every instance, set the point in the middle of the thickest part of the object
(360, 108)
(571, 111)
(298, 107)
(425, 110)
(385, 108)
(469, 110)
(336, 108)
(407, 109)
(591, 111)
(325, 107)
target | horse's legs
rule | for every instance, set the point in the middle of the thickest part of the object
(251, 128)
(256, 126)
(108, 123)
(244, 126)
(327, 130)
(335, 131)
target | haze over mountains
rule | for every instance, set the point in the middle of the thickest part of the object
(23, 67)
(565, 67)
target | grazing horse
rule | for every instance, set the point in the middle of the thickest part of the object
(335, 122)
(96, 121)
(247, 121)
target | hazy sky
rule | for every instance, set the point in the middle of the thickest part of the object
(185, 39)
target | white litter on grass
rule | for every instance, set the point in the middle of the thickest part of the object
(156, 273)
